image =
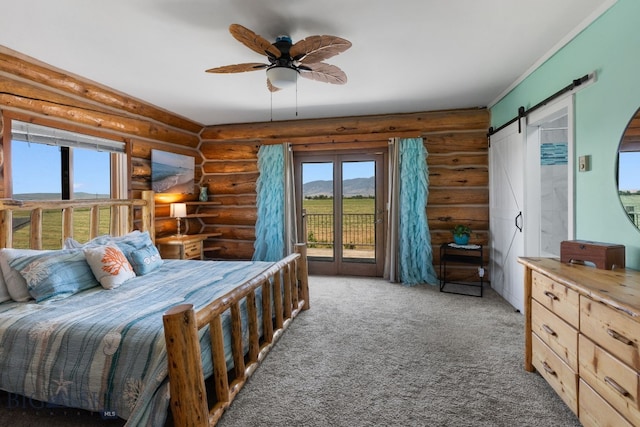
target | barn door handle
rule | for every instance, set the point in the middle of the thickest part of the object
(519, 223)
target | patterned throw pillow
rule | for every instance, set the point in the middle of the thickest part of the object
(109, 265)
(16, 285)
(54, 275)
(145, 260)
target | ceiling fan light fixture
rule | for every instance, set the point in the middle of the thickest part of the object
(282, 77)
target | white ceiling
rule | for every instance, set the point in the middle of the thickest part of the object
(407, 55)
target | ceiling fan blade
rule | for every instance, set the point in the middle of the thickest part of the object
(271, 87)
(238, 68)
(253, 41)
(323, 72)
(314, 49)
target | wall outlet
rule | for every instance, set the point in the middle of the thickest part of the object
(584, 163)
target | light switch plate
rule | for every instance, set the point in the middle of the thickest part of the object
(584, 163)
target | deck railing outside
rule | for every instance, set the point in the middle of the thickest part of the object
(358, 231)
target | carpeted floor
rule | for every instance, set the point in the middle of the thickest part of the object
(372, 353)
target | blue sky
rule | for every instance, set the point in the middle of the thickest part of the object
(324, 171)
(36, 169)
(629, 167)
(40, 164)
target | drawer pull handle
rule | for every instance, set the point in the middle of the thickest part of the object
(551, 295)
(619, 337)
(548, 368)
(617, 387)
(549, 330)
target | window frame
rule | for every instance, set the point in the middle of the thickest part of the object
(118, 160)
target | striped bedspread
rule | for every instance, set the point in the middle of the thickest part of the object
(104, 350)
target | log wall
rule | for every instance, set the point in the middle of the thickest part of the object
(458, 169)
(226, 155)
(36, 92)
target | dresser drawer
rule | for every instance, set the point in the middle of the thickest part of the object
(616, 382)
(596, 412)
(192, 250)
(561, 337)
(557, 373)
(556, 297)
(611, 329)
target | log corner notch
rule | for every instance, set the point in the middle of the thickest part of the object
(283, 286)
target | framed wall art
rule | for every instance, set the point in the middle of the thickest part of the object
(172, 172)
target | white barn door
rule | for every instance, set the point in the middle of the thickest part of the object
(506, 190)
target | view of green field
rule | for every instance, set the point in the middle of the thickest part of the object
(358, 222)
(52, 227)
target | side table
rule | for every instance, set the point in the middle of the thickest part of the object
(186, 246)
(460, 254)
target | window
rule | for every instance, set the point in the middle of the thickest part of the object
(49, 163)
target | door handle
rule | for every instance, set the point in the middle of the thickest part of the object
(519, 223)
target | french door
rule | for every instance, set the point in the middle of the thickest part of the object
(341, 212)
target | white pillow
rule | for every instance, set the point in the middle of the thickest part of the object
(4, 292)
(16, 285)
(109, 265)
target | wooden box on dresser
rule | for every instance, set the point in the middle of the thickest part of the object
(582, 334)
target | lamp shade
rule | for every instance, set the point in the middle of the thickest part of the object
(178, 210)
(282, 77)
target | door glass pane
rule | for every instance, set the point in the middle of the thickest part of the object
(554, 185)
(358, 210)
(317, 201)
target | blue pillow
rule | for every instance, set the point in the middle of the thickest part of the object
(104, 239)
(55, 275)
(145, 260)
(132, 242)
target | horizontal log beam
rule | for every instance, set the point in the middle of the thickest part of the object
(16, 64)
(464, 176)
(388, 124)
(445, 217)
(458, 196)
(230, 166)
(458, 159)
(357, 144)
(452, 142)
(23, 97)
(228, 151)
(239, 183)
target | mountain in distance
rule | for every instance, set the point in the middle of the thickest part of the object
(350, 187)
(57, 196)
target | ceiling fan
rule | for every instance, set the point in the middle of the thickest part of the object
(288, 60)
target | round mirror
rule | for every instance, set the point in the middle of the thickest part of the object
(629, 169)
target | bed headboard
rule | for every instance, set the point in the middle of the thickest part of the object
(122, 217)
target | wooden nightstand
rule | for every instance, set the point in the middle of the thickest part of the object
(187, 246)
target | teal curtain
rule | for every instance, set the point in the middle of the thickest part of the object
(415, 252)
(270, 224)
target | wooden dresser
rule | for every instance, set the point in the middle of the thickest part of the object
(582, 334)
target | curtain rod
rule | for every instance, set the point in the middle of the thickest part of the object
(523, 113)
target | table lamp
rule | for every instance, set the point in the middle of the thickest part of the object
(178, 211)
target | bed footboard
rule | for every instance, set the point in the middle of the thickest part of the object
(288, 279)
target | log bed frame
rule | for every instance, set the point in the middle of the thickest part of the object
(285, 293)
